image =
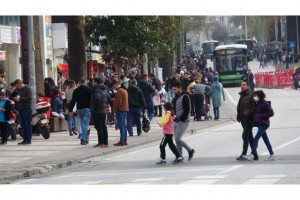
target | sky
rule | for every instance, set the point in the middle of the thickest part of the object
(153, 7)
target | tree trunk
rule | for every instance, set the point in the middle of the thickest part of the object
(24, 49)
(76, 47)
(38, 56)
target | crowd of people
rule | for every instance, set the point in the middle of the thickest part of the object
(123, 100)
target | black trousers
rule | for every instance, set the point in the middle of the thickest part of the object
(199, 100)
(159, 110)
(247, 135)
(168, 139)
(4, 131)
(100, 126)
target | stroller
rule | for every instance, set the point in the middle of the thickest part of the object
(206, 112)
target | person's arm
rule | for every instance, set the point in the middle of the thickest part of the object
(166, 119)
(186, 107)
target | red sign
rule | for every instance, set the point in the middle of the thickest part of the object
(2, 55)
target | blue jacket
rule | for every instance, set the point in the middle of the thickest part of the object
(262, 114)
(147, 89)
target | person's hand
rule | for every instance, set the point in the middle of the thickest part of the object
(17, 98)
(71, 114)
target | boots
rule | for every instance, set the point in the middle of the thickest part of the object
(70, 132)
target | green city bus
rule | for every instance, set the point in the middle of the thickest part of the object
(208, 47)
(231, 62)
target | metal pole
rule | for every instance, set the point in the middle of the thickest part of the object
(297, 34)
(246, 36)
(31, 59)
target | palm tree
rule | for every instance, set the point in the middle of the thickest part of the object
(76, 47)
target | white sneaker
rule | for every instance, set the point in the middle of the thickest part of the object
(270, 158)
(249, 157)
(161, 161)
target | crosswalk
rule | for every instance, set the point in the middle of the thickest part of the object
(209, 175)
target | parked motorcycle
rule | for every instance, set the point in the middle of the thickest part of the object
(40, 121)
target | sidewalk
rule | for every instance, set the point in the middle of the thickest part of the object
(62, 150)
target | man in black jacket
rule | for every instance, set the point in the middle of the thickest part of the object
(100, 100)
(82, 98)
(136, 102)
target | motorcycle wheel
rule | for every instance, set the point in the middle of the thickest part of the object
(13, 133)
(45, 131)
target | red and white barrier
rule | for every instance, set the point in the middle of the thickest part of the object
(273, 79)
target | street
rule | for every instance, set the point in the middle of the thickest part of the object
(214, 161)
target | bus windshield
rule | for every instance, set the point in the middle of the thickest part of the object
(229, 63)
(208, 48)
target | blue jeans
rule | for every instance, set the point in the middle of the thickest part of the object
(261, 133)
(217, 112)
(25, 121)
(121, 120)
(84, 118)
(134, 114)
(150, 108)
(170, 95)
(71, 122)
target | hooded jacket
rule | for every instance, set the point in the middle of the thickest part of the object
(263, 112)
(100, 99)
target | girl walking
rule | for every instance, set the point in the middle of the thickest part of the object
(168, 130)
(262, 115)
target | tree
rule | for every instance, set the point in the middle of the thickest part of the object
(24, 49)
(219, 33)
(38, 56)
(76, 47)
(131, 36)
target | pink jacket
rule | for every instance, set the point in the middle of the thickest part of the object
(168, 123)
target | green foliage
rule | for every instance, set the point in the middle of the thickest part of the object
(130, 36)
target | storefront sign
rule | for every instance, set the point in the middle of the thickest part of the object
(2, 55)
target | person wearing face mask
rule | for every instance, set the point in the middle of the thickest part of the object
(245, 110)
(262, 115)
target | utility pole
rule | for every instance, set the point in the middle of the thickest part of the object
(246, 36)
(31, 59)
(297, 34)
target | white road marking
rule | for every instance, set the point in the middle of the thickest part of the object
(284, 92)
(229, 97)
(91, 182)
(204, 180)
(153, 171)
(281, 146)
(146, 180)
(230, 169)
(265, 179)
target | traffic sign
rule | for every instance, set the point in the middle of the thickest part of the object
(292, 44)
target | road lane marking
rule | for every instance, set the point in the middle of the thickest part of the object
(204, 180)
(229, 97)
(265, 179)
(230, 169)
(146, 180)
(117, 172)
(281, 146)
